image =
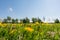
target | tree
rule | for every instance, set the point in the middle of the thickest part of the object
(8, 18)
(34, 20)
(16, 21)
(21, 20)
(39, 20)
(24, 21)
(27, 20)
(57, 21)
(13, 21)
(4, 20)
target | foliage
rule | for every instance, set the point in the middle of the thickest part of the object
(8, 18)
(4, 21)
(13, 20)
(34, 20)
(25, 20)
(56, 21)
(39, 20)
(16, 21)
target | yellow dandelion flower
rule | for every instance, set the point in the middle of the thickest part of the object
(29, 29)
(4, 25)
(0, 23)
(37, 23)
(21, 24)
(43, 24)
(13, 24)
(12, 31)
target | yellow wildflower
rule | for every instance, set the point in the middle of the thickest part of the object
(4, 25)
(21, 24)
(13, 24)
(43, 24)
(0, 24)
(12, 31)
(37, 23)
(29, 29)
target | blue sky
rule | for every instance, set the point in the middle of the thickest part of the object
(29, 8)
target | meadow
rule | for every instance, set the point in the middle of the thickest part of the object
(30, 31)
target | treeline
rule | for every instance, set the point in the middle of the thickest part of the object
(24, 20)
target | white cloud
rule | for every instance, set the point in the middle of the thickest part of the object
(11, 9)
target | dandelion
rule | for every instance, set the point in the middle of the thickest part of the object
(13, 24)
(42, 23)
(4, 25)
(29, 29)
(0, 22)
(37, 23)
(12, 31)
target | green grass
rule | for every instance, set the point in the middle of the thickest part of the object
(40, 32)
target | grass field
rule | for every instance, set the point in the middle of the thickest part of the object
(32, 31)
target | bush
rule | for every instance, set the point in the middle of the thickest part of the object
(56, 21)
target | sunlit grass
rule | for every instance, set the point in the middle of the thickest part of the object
(32, 31)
